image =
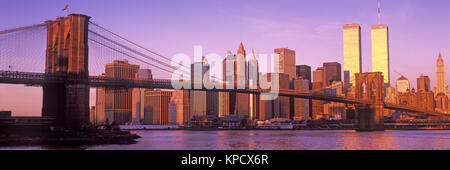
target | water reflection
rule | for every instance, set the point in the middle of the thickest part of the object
(278, 140)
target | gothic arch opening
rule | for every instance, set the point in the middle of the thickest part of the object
(363, 90)
(373, 91)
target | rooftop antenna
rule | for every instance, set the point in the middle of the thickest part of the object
(379, 13)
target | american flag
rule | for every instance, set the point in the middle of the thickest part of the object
(65, 8)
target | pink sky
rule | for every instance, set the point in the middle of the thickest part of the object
(419, 29)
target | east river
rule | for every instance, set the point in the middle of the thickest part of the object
(279, 140)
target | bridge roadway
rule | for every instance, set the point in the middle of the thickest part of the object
(40, 79)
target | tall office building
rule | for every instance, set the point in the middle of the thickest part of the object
(317, 105)
(242, 108)
(332, 72)
(285, 62)
(423, 83)
(138, 96)
(352, 50)
(318, 83)
(179, 108)
(346, 77)
(300, 107)
(100, 99)
(157, 107)
(304, 71)
(118, 102)
(402, 85)
(319, 75)
(440, 77)
(380, 51)
(228, 76)
(212, 103)
(279, 107)
(253, 79)
(224, 104)
(198, 99)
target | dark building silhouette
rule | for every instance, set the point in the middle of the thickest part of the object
(346, 77)
(304, 71)
(332, 72)
(423, 83)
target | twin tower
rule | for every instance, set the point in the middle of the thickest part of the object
(352, 50)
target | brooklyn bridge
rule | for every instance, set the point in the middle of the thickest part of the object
(71, 69)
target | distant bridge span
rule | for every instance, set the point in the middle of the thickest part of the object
(40, 79)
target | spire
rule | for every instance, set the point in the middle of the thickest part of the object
(252, 56)
(379, 13)
(440, 60)
(241, 49)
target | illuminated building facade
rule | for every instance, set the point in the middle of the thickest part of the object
(380, 51)
(352, 50)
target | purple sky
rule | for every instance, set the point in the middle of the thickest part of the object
(419, 29)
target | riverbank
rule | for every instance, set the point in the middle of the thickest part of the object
(258, 129)
(274, 140)
(121, 138)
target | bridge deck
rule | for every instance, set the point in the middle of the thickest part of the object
(40, 79)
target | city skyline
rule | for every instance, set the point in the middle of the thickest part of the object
(301, 56)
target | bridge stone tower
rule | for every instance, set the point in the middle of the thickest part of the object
(67, 57)
(369, 87)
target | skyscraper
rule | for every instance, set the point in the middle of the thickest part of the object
(100, 99)
(317, 105)
(228, 76)
(198, 99)
(332, 72)
(318, 83)
(224, 104)
(402, 85)
(440, 77)
(285, 62)
(179, 107)
(242, 108)
(253, 79)
(300, 107)
(346, 77)
(157, 107)
(304, 71)
(380, 51)
(319, 75)
(118, 102)
(279, 107)
(138, 96)
(423, 83)
(352, 50)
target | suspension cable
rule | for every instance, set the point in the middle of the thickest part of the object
(21, 28)
(111, 48)
(131, 42)
(134, 51)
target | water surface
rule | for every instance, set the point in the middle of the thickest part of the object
(279, 140)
